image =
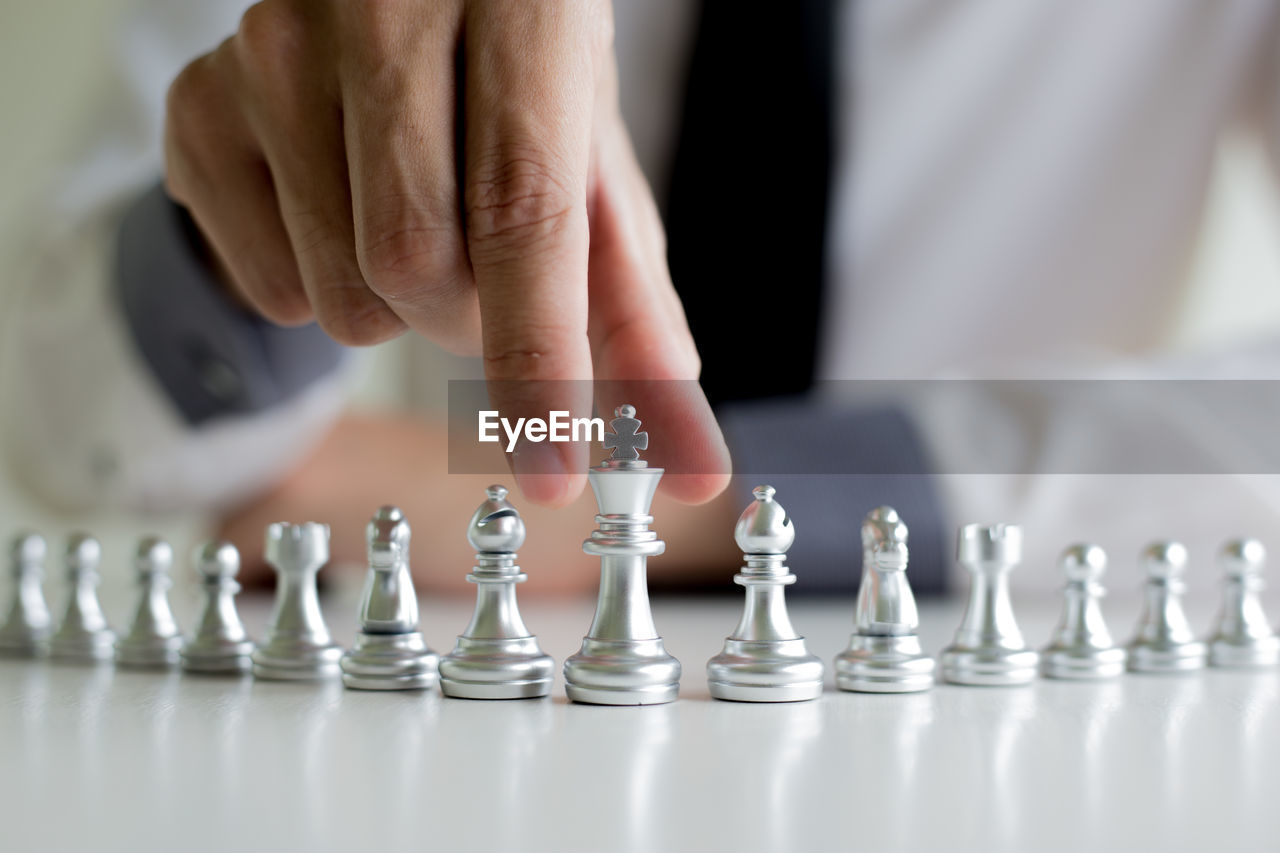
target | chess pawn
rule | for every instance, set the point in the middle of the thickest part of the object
(26, 629)
(622, 660)
(764, 659)
(389, 652)
(1164, 641)
(1242, 636)
(298, 646)
(153, 639)
(1082, 646)
(83, 634)
(988, 648)
(496, 657)
(884, 654)
(221, 644)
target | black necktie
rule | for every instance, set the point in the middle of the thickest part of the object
(747, 208)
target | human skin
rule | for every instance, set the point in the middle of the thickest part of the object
(454, 168)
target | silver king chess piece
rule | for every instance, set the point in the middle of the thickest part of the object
(83, 635)
(764, 659)
(1164, 641)
(28, 626)
(389, 652)
(298, 646)
(1082, 646)
(496, 657)
(884, 654)
(220, 644)
(988, 648)
(1242, 636)
(622, 660)
(153, 639)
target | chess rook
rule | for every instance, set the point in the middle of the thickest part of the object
(153, 639)
(884, 654)
(1082, 646)
(764, 659)
(1242, 636)
(27, 627)
(83, 634)
(496, 657)
(220, 645)
(622, 660)
(1164, 641)
(389, 651)
(298, 646)
(988, 648)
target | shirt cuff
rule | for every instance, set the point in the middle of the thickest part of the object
(211, 357)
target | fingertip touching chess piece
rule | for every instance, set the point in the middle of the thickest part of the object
(28, 626)
(884, 653)
(764, 659)
(1164, 641)
(220, 645)
(1082, 647)
(389, 651)
(83, 635)
(988, 648)
(496, 657)
(153, 639)
(1242, 636)
(623, 660)
(298, 646)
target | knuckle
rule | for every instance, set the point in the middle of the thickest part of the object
(531, 356)
(283, 307)
(515, 202)
(267, 47)
(406, 250)
(356, 322)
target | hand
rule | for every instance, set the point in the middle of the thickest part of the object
(454, 167)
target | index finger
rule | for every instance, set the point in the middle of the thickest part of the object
(529, 95)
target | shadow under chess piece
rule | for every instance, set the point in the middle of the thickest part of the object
(884, 654)
(389, 652)
(764, 659)
(496, 657)
(153, 639)
(220, 645)
(1164, 641)
(83, 634)
(988, 648)
(1242, 636)
(298, 646)
(1082, 647)
(28, 626)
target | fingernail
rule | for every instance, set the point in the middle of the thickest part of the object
(540, 472)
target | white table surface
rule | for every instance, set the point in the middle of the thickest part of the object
(104, 759)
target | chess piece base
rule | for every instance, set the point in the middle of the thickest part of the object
(1184, 657)
(496, 668)
(218, 659)
(1257, 653)
(753, 671)
(159, 653)
(622, 672)
(278, 662)
(1086, 663)
(83, 648)
(24, 644)
(884, 665)
(390, 662)
(989, 667)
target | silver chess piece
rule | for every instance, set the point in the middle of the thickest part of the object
(884, 654)
(28, 626)
(496, 657)
(1082, 646)
(622, 660)
(83, 634)
(298, 646)
(221, 644)
(1242, 636)
(153, 639)
(389, 652)
(764, 659)
(1164, 641)
(988, 648)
